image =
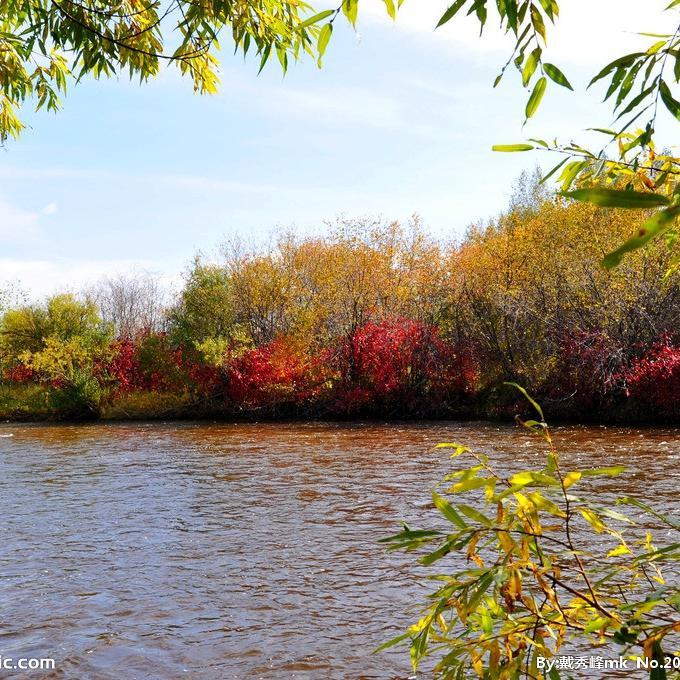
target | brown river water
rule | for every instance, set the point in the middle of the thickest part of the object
(244, 551)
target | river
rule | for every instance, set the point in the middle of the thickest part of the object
(243, 550)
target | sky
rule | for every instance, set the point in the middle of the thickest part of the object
(400, 120)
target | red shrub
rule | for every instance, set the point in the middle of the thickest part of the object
(199, 376)
(403, 363)
(123, 367)
(20, 374)
(150, 363)
(588, 371)
(655, 377)
(275, 374)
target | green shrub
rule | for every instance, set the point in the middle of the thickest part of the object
(79, 398)
(142, 404)
(25, 401)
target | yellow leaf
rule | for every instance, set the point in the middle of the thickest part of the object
(593, 519)
(571, 478)
(619, 550)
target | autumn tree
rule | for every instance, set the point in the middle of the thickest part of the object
(131, 303)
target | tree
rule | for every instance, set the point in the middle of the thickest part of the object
(204, 317)
(45, 44)
(61, 317)
(131, 303)
(60, 343)
(638, 175)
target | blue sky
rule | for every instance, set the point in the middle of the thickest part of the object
(400, 120)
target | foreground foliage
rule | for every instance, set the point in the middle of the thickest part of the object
(536, 566)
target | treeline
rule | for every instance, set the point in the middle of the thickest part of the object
(372, 319)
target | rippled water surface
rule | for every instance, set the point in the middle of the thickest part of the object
(241, 551)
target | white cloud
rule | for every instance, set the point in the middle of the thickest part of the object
(137, 182)
(46, 277)
(15, 172)
(16, 224)
(343, 105)
(586, 33)
(19, 225)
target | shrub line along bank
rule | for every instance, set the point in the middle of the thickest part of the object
(371, 320)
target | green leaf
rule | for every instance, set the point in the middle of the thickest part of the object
(571, 478)
(656, 225)
(629, 500)
(612, 514)
(460, 450)
(547, 8)
(475, 515)
(391, 643)
(608, 471)
(483, 586)
(537, 22)
(613, 198)
(442, 551)
(350, 9)
(539, 410)
(554, 674)
(473, 483)
(570, 172)
(593, 519)
(652, 556)
(545, 178)
(451, 12)
(656, 46)
(324, 37)
(410, 538)
(532, 478)
(636, 101)
(316, 18)
(448, 511)
(530, 65)
(557, 76)
(671, 104)
(658, 672)
(391, 8)
(507, 148)
(621, 61)
(536, 97)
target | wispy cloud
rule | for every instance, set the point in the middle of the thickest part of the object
(18, 225)
(345, 106)
(46, 277)
(586, 33)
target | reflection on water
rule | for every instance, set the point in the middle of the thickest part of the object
(242, 551)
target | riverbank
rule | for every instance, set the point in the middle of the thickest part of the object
(40, 404)
(375, 321)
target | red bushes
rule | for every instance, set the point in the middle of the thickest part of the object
(395, 367)
(400, 364)
(123, 367)
(655, 377)
(588, 371)
(276, 374)
(19, 374)
(149, 363)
